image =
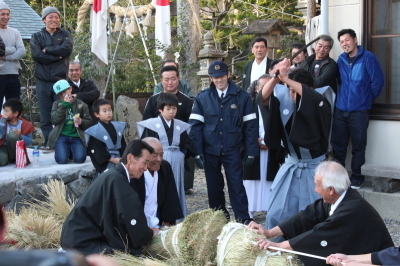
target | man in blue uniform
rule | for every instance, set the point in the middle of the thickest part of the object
(224, 126)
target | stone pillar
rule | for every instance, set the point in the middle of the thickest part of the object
(206, 56)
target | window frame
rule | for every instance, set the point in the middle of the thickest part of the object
(379, 111)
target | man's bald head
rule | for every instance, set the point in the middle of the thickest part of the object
(156, 156)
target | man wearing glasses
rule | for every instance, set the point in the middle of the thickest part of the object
(323, 69)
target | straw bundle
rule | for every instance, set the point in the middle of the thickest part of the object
(236, 246)
(58, 204)
(164, 245)
(124, 259)
(198, 237)
(193, 242)
(30, 230)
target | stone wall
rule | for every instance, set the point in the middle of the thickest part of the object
(20, 184)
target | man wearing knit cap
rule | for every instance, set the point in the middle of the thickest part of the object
(10, 86)
(51, 48)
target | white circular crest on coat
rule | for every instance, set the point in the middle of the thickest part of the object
(158, 126)
(178, 128)
(133, 222)
(324, 243)
(285, 112)
(321, 103)
(92, 151)
(105, 137)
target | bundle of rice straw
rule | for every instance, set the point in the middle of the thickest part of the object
(124, 259)
(198, 237)
(57, 203)
(164, 245)
(193, 242)
(236, 246)
(31, 230)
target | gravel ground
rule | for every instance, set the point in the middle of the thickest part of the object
(199, 201)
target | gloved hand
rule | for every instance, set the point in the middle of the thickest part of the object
(248, 160)
(200, 161)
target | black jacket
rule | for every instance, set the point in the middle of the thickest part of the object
(275, 155)
(108, 216)
(52, 65)
(2, 48)
(354, 228)
(87, 93)
(326, 75)
(185, 105)
(247, 73)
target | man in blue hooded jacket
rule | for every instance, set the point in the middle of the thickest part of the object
(361, 81)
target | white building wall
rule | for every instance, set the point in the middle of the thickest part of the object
(344, 14)
(383, 136)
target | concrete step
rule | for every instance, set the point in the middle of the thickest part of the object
(387, 204)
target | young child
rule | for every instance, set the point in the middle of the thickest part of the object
(70, 118)
(105, 140)
(12, 129)
(173, 135)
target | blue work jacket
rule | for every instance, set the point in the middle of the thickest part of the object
(223, 126)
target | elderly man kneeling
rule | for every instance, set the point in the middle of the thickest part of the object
(341, 222)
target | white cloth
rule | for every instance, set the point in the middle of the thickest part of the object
(336, 204)
(258, 69)
(77, 83)
(162, 26)
(127, 173)
(168, 122)
(98, 22)
(258, 191)
(151, 203)
(224, 92)
(312, 31)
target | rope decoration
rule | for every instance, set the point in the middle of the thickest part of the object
(119, 13)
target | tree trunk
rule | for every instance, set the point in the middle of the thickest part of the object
(311, 6)
(190, 39)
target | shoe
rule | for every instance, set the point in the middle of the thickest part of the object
(246, 221)
(189, 191)
(356, 184)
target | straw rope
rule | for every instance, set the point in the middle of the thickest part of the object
(175, 239)
(225, 236)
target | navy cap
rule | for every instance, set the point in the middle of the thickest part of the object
(217, 69)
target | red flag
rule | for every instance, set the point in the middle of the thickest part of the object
(163, 27)
(98, 25)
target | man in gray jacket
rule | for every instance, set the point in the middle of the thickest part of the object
(10, 86)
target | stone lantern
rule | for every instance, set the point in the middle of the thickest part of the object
(271, 29)
(206, 56)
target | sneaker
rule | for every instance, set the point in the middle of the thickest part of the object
(356, 184)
